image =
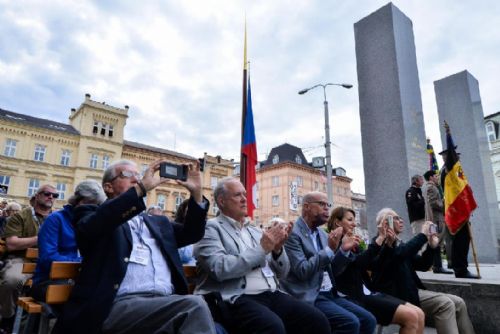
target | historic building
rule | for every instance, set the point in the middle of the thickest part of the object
(35, 151)
(491, 123)
(286, 176)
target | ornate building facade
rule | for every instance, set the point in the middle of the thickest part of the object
(35, 151)
(286, 176)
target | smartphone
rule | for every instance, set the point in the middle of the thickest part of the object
(432, 229)
(173, 171)
(390, 222)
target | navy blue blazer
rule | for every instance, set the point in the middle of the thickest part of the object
(105, 243)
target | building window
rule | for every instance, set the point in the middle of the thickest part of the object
(33, 186)
(275, 181)
(276, 159)
(300, 199)
(61, 189)
(298, 159)
(178, 201)
(213, 181)
(215, 209)
(490, 132)
(276, 200)
(299, 181)
(161, 201)
(93, 161)
(105, 161)
(103, 129)
(4, 184)
(144, 167)
(110, 130)
(10, 148)
(39, 152)
(96, 127)
(65, 157)
(316, 185)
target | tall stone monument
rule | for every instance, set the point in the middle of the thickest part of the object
(390, 107)
(459, 104)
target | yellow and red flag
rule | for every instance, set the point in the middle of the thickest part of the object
(459, 200)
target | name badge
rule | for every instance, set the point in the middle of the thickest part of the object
(266, 271)
(326, 284)
(140, 255)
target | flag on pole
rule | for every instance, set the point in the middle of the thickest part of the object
(459, 200)
(433, 165)
(248, 158)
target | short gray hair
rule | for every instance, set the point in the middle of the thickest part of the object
(415, 178)
(220, 188)
(89, 192)
(110, 172)
(153, 207)
(13, 206)
(382, 214)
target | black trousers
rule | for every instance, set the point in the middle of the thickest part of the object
(460, 250)
(276, 313)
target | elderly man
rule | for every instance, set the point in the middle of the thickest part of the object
(243, 263)
(131, 280)
(10, 209)
(314, 258)
(395, 275)
(21, 233)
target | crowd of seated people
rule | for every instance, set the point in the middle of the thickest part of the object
(308, 276)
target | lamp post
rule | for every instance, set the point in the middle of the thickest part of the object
(329, 185)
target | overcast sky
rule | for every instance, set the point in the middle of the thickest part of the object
(178, 65)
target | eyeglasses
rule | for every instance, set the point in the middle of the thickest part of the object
(322, 204)
(48, 194)
(125, 174)
(397, 218)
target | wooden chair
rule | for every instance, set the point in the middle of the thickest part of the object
(190, 273)
(57, 293)
(27, 304)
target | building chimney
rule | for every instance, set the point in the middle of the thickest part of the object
(87, 96)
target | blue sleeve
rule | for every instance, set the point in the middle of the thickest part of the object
(48, 240)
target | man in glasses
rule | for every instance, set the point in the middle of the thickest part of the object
(314, 258)
(20, 233)
(131, 279)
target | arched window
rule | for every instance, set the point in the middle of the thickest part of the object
(490, 132)
(276, 159)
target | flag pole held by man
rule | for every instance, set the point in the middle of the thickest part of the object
(459, 204)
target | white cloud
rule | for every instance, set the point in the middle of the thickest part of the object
(178, 65)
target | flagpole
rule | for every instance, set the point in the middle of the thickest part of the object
(474, 255)
(243, 157)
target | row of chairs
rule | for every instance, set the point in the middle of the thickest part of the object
(56, 294)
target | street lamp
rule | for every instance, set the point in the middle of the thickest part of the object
(329, 186)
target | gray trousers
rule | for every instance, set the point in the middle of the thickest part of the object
(144, 313)
(11, 282)
(448, 311)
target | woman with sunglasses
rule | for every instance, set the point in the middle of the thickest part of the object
(353, 279)
(56, 238)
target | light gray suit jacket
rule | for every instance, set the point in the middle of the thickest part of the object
(222, 264)
(307, 265)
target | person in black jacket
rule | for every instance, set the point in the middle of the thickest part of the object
(353, 279)
(394, 273)
(415, 203)
(131, 278)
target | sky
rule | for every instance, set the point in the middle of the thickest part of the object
(178, 65)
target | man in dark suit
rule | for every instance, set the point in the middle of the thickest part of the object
(132, 279)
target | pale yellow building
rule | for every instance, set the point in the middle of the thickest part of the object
(35, 151)
(285, 177)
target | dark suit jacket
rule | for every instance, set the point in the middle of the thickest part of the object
(351, 277)
(105, 243)
(395, 273)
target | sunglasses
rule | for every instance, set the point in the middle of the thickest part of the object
(48, 194)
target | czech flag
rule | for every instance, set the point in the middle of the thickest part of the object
(459, 200)
(249, 151)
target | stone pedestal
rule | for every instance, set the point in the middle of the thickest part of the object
(459, 104)
(390, 106)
